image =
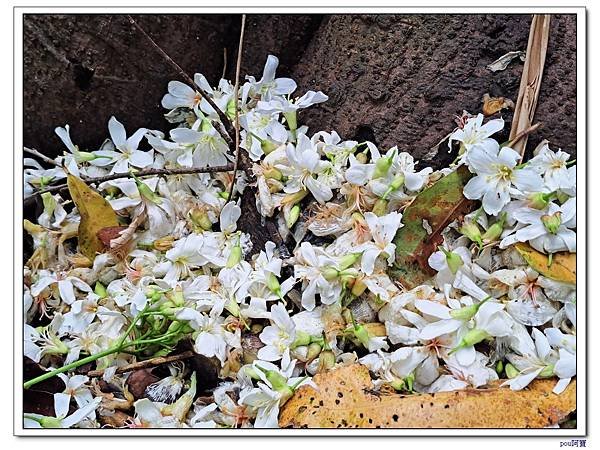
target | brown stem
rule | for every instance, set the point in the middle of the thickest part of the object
(237, 108)
(34, 152)
(523, 133)
(141, 173)
(152, 362)
(222, 116)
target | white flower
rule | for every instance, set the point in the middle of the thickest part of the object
(553, 167)
(269, 86)
(282, 104)
(474, 133)
(546, 230)
(201, 148)
(383, 230)
(278, 336)
(75, 388)
(65, 283)
(62, 419)
(311, 264)
(184, 256)
(305, 165)
(128, 153)
(211, 337)
(497, 176)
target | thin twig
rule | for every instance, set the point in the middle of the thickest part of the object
(237, 107)
(141, 173)
(34, 152)
(523, 133)
(152, 362)
(224, 62)
(222, 116)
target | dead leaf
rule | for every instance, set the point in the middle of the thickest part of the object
(345, 398)
(107, 234)
(491, 105)
(96, 214)
(439, 204)
(503, 62)
(563, 267)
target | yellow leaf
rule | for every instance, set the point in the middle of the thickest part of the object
(345, 398)
(96, 213)
(562, 268)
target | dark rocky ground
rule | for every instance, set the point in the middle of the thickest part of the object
(395, 80)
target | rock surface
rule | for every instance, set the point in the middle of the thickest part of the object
(395, 80)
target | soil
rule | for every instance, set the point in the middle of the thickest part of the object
(393, 79)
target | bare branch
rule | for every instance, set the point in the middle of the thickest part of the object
(237, 107)
(152, 362)
(141, 173)
(222, 116)
(34, 152)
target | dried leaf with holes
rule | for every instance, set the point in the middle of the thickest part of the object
(344, 398)
(96, 214)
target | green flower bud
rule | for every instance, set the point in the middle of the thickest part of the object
(177, 296)
(382, 165)
(273, 173)
(235, 256)
(499, 367)
(539, 200)
(562, 197)
(330, 273)
(224, 195)
(268, 147)
(302, 339)
(100, 290)
(86, 156)
(362, 158)
(380, 207)
(49, 203)
(359, 287)
(231, 107)
(293, 216)
(146, 192)
(361, 333)
(50, 422)
(495, 231)
(453, 260)
(467, 312)
(473, 337)
(290, 117)
(205, 125)
(552, 222)
(273, 284)
(410, 379)
(199, 218)
(326, 361)
(314, 350)
(251, 372)
(471, 230)
(349, 260)
(256, 328)
(398, 384)
(511, 371)
(348, 276)
(547, 372)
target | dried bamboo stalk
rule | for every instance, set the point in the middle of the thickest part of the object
(531, 80)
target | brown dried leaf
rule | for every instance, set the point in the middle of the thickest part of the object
(439, 204)
(563, 267)
(345, 399)
(96, 214)
(491, 105)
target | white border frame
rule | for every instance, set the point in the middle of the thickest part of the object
(582, 169)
